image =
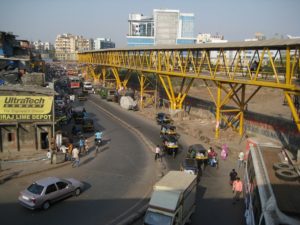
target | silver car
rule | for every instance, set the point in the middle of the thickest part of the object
(44, 192)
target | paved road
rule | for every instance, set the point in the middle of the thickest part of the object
(117, 180)
(214, 195)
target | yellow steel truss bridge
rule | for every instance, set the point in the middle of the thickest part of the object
(231, 67)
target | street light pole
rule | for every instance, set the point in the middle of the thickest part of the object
(53, 111)
(53, 115)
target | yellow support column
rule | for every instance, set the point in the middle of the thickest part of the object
(288, 66)
(103, 75)
(126, 79)
(173, 99)
(142, 82)
(242, 110)
(117, 77)
(218, 110)
(293, 109)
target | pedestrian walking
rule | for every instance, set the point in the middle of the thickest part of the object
(81, 145)
(224, 151)
(70, 150)
(48, 154)
(212, 157)
(237, 188)
(241, 159)
(232, 176)
(157, 152)
(75, 154)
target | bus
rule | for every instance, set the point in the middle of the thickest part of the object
(271, 185)
(74, 82)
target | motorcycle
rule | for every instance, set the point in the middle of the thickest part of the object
(98, 143)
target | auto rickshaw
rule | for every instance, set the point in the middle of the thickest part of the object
(78, 115)
(88, 125)
(198, 152)
(82, 96)
(170, 144)
(167, 129)
(163, 118)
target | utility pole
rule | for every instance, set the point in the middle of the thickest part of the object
(53, 111)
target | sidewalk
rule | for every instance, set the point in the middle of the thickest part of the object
(22, 168)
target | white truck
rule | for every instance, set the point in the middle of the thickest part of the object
(173, 200)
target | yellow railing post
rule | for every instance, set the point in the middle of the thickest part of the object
(288, 66)
(218, 110)
(142, 84)
(242, 110)
(103, 75)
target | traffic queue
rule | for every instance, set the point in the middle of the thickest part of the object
(197, 156)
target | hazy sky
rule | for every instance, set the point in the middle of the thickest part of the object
(235, 19)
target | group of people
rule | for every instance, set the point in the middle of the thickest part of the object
(234, 179)
(81, 149)
(73, 153)
(212, 155)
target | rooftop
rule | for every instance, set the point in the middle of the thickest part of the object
(27, 88)
(286, 192)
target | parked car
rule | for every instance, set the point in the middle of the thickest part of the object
(163, 118)
(44, 192)
(170, 144)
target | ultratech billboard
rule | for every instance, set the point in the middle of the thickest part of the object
(25, 108)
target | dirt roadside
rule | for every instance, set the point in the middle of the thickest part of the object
(200, 124)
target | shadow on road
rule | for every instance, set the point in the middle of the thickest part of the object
(10, 176)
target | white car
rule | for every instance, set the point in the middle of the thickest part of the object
(44, 192)
(87, 85)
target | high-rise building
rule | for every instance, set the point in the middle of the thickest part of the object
(165, 27)
(140, 30)
(42, 46)
(140, 25)
(103, 43)
(186, 29)
(67, 46)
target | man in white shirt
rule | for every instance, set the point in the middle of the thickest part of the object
(157, 151)
(48, 154)
(63, 148)
(241, 159)
(75, 154)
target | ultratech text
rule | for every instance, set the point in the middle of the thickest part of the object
(25, 102)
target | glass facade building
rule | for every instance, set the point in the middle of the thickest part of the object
(186, 25)
(140, 41)
(164, 28)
